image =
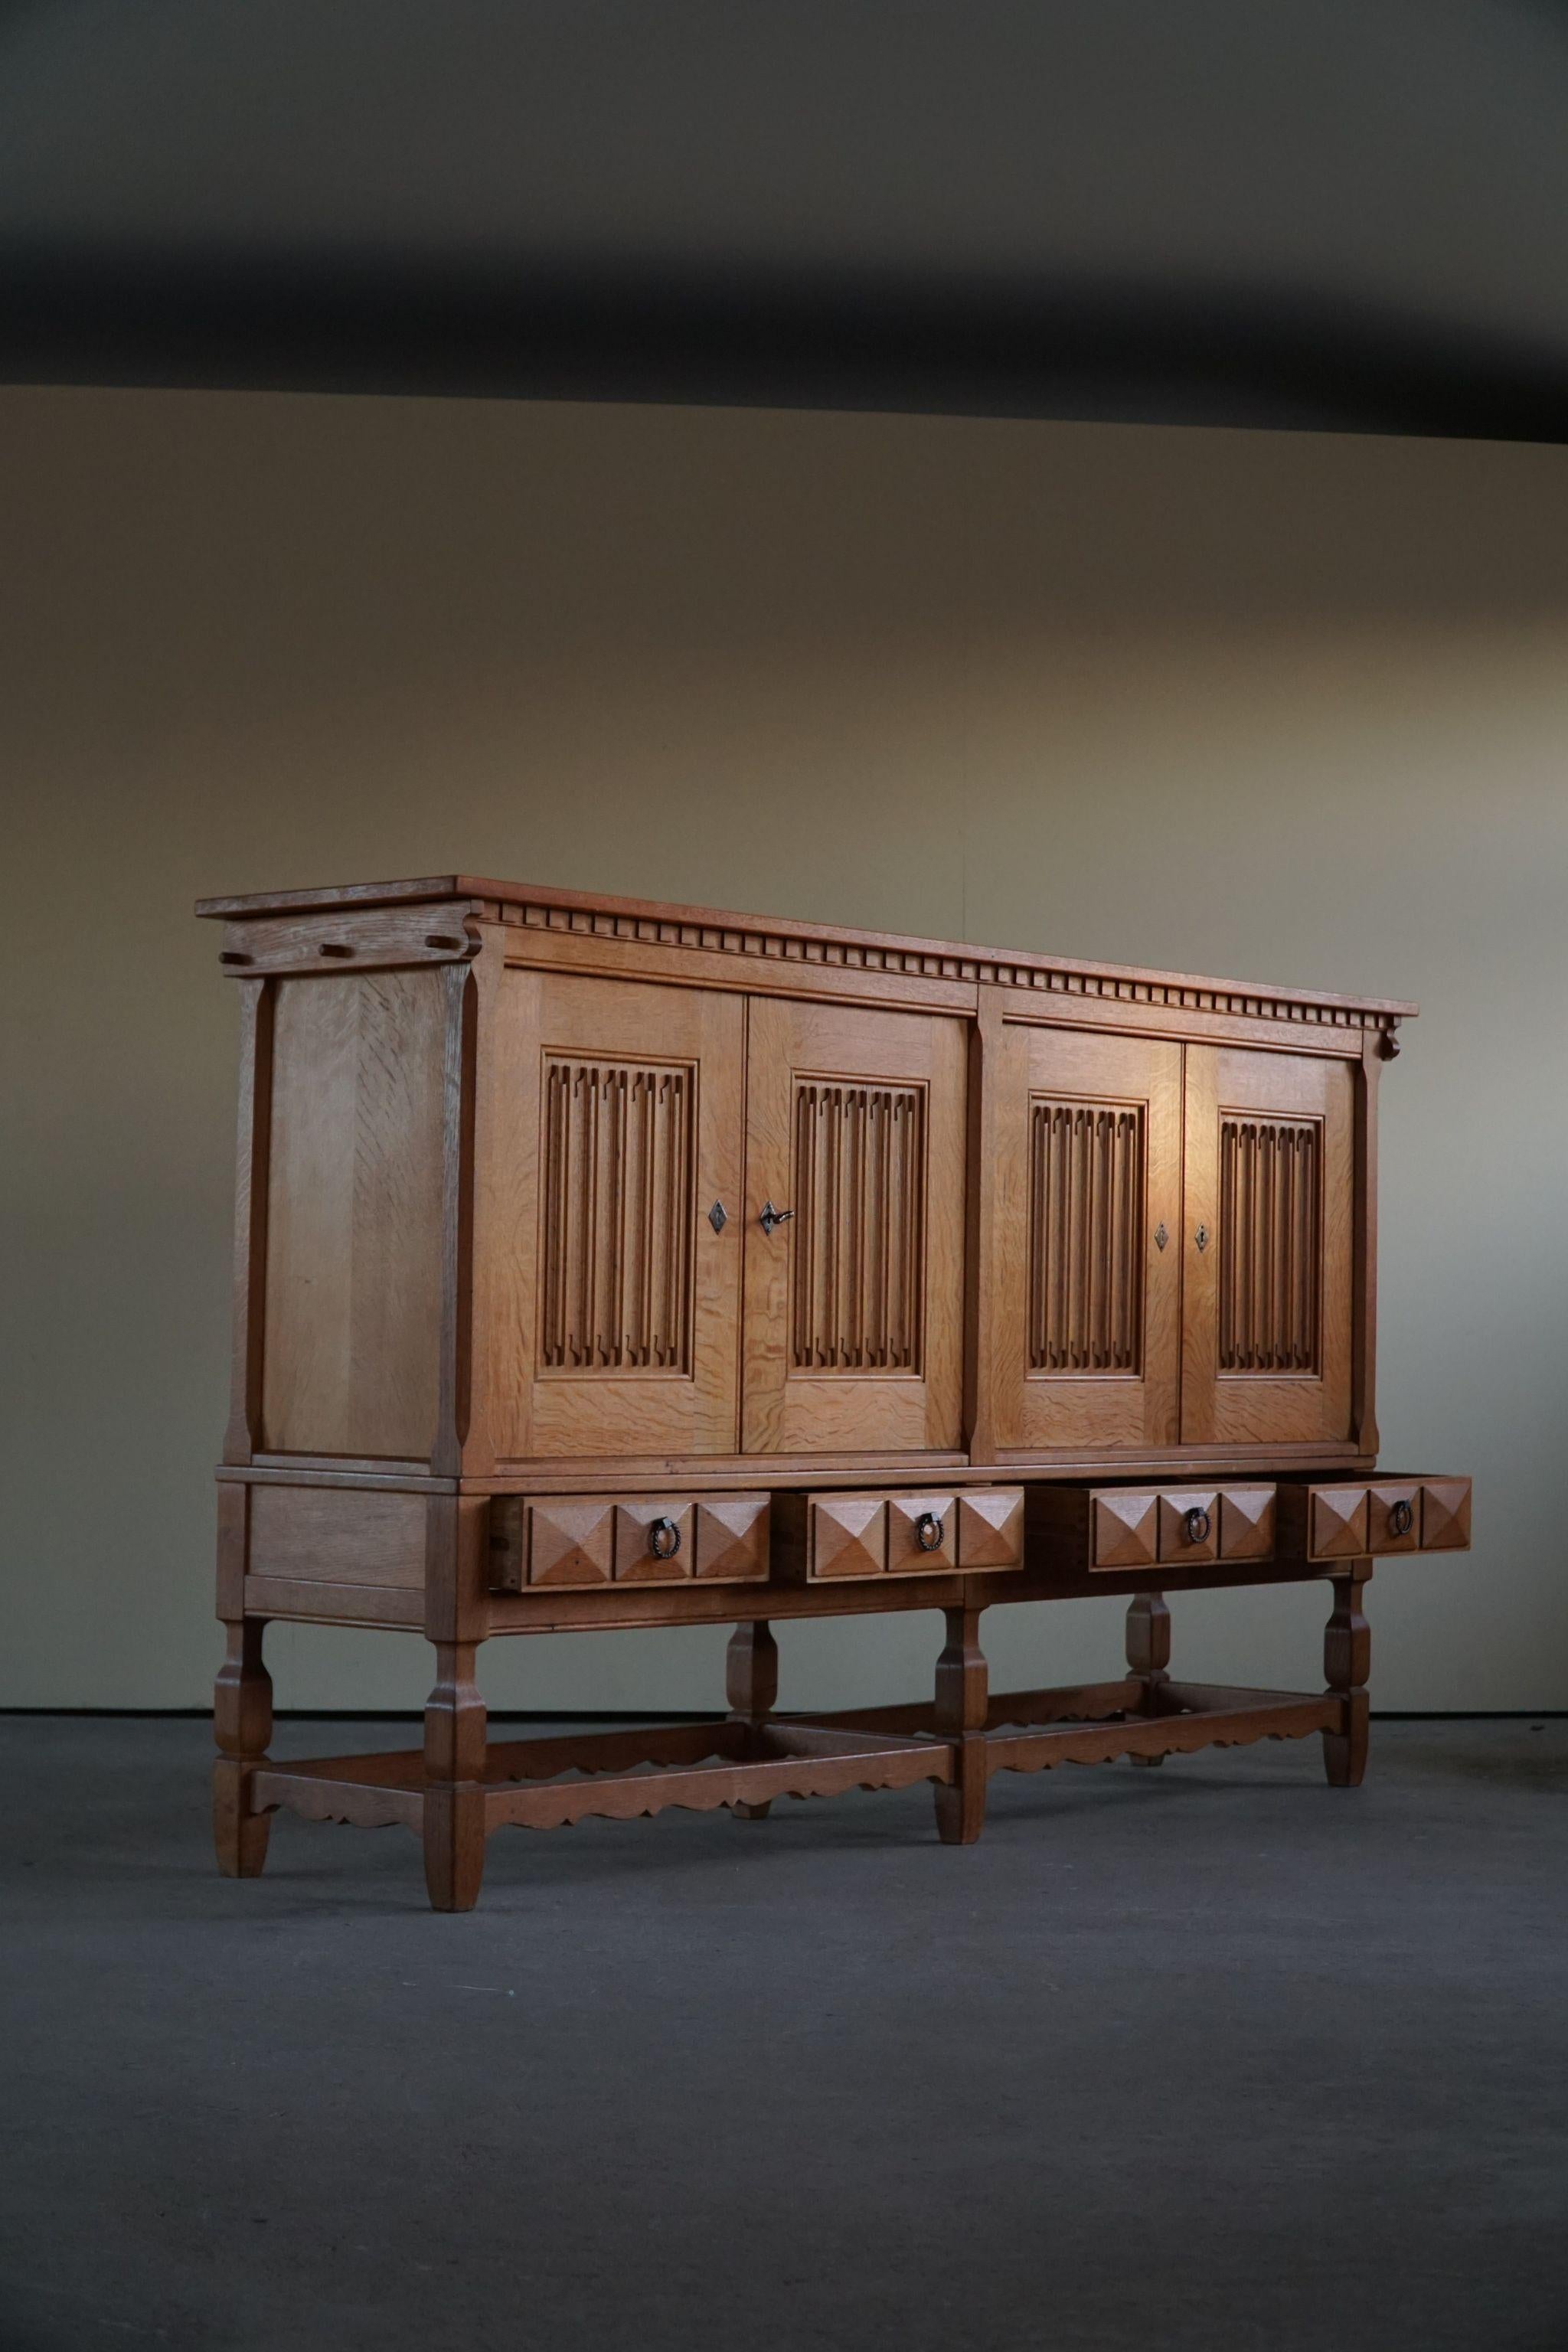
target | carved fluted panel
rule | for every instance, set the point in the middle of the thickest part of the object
(858, 1280)
(616, 1255)
(1087, 1173)
(1270, 1265)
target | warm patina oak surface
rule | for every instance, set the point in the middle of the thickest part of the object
(601, 1262)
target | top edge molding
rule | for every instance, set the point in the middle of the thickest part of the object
(596, 914)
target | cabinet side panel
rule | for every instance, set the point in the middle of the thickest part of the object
(330, 1534)
(354, 1246)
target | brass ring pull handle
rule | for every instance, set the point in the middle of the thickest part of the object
(1401, 1518)
(772, 1217)
(1197, 1524)
(663, 1538)
(928, 1531)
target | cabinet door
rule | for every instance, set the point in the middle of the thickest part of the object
(620, 1115)
(854, 1307)
(1268, 1249)
(1082, 1310)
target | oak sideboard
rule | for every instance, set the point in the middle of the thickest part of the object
(608, 1263)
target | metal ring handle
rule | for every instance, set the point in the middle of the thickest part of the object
(1401, 1518)
(663, 1538)
(928, 1531)
(1198, 1525)
(772, 1217)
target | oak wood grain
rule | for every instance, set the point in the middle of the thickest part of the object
(853, 1325)
(1086, 1177)
(1225, 1401)
(353, 1290)
(558, 1228)
(338, 1536)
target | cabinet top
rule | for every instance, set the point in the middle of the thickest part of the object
(598, 914)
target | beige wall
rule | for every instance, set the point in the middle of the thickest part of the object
(1284, 707)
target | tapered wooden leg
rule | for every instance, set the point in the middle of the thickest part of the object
(454, 1826)
(1149, 1652)
(1347, 1662)
(242, 1725)
(752, 1686)
(963, 1695)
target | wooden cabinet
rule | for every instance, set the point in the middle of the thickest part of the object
(600, 1263)
(533, 1181)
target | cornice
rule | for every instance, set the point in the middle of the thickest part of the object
(777, 940)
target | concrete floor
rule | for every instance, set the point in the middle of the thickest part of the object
(1191, 2061)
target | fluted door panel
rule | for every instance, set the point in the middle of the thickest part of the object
(1080, 1342)
(854, 1306)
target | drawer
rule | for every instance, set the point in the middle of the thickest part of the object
(1375, 1518)
(827, 1539)
(1112, 1529)
(587, 1539)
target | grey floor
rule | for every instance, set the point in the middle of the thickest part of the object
(1195, 2061)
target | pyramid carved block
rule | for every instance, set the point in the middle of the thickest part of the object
(910, 1517)
(636, 1559)
(1247, 1523)
(991, 1528)
(1445, 1515)
(733, 1539)
(1189, 1527)
(1394, 1518)
(848, 1535)
(570, 1542)
(1339, 1522)
(1126, 1530)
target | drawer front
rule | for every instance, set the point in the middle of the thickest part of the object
(1179, 1527)
(586, 1539)
(914, 1534)
(1384, 1518)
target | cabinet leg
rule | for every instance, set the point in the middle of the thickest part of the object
(242, 1725)
(752, 1686)
(1347, 1661)
(962, 1696)
(1149, 1652)
(454, 1825)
